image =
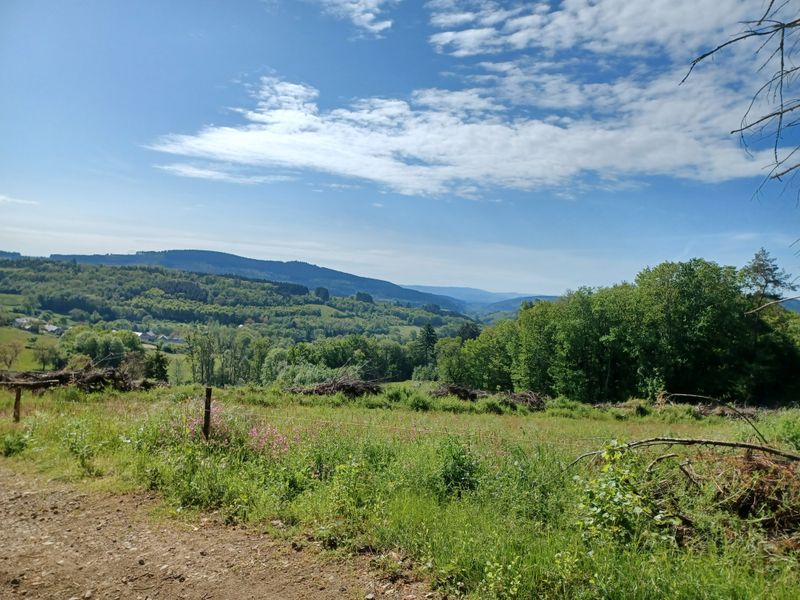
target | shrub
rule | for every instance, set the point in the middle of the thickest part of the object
(69, 393)
(396, 394)
(14, 442)
(458, 470)
(82, 449)
(424, 373)
(491, 406)
(787, 429)
(452, 404)
(678, 413)
(612, 506)
(419, 401)
(562, 407)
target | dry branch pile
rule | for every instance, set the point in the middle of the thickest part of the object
(87, 380)
(459, 391)
(763, 490)
(716, 410)
(350, 387)
(531, 400)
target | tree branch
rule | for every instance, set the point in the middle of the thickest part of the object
(665, 441)
(778, 301)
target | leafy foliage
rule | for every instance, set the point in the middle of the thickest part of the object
(681, 327)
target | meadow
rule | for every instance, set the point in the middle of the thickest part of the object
(478, 496)
(27, 360)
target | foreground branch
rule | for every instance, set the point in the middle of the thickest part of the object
(778, 301)
(665, 441)
(727, 405)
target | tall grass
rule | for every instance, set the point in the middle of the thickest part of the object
(481, 503)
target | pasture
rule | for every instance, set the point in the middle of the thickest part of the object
(483, 505)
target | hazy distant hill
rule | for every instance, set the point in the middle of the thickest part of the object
(219, 263)
(466, 294)
(793, 305)
(513, 304)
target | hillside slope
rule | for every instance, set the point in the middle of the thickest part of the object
(338, 283)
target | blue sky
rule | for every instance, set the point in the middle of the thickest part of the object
(512, 146)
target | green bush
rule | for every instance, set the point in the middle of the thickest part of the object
(14, 442)
(612, 504)
(562, 407)
(458, 469)
(396, 394)
(425, 373)
(419, 401)
(83, 450)
(679, 413)
(491, 406)
(787, 429)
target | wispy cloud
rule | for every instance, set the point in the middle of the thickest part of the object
(9, 200)
(584, 96)
(473, 27)
(439, 142)
(217, 174)
(367, 15)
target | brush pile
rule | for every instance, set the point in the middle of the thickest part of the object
(763, 491)
(88, 380)
(349, 386)
(459, 391)
(530, 400)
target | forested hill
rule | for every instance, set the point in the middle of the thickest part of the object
(337, 283)
(163, 300)
(468, 295)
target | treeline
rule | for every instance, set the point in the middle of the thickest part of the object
(690, 327)
(224, 356)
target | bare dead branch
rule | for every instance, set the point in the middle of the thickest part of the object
(658, 459)
(778, 41)
(719, 402)
(771, 303)
(689, 476)
(665, 441)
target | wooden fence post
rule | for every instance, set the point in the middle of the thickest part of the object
(207, 415)
(17, 400)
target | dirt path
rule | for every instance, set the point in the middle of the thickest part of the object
(59, 543)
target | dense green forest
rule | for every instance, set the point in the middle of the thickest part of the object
(338, 283)
(691, 327)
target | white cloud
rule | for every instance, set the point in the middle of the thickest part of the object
(9, 200)
(604, 26)
(441, 141)
(364, 14)
(217, 174)
(586, 95)
(461, 102)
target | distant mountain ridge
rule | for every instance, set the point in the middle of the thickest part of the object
(337, 283)
(468, 295)
(485, 305)
(513, 304)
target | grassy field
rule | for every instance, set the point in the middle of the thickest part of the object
(483, 503)
(404, 331)
(27, 359)
(11, 301)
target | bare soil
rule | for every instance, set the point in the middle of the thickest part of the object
(58, 542)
